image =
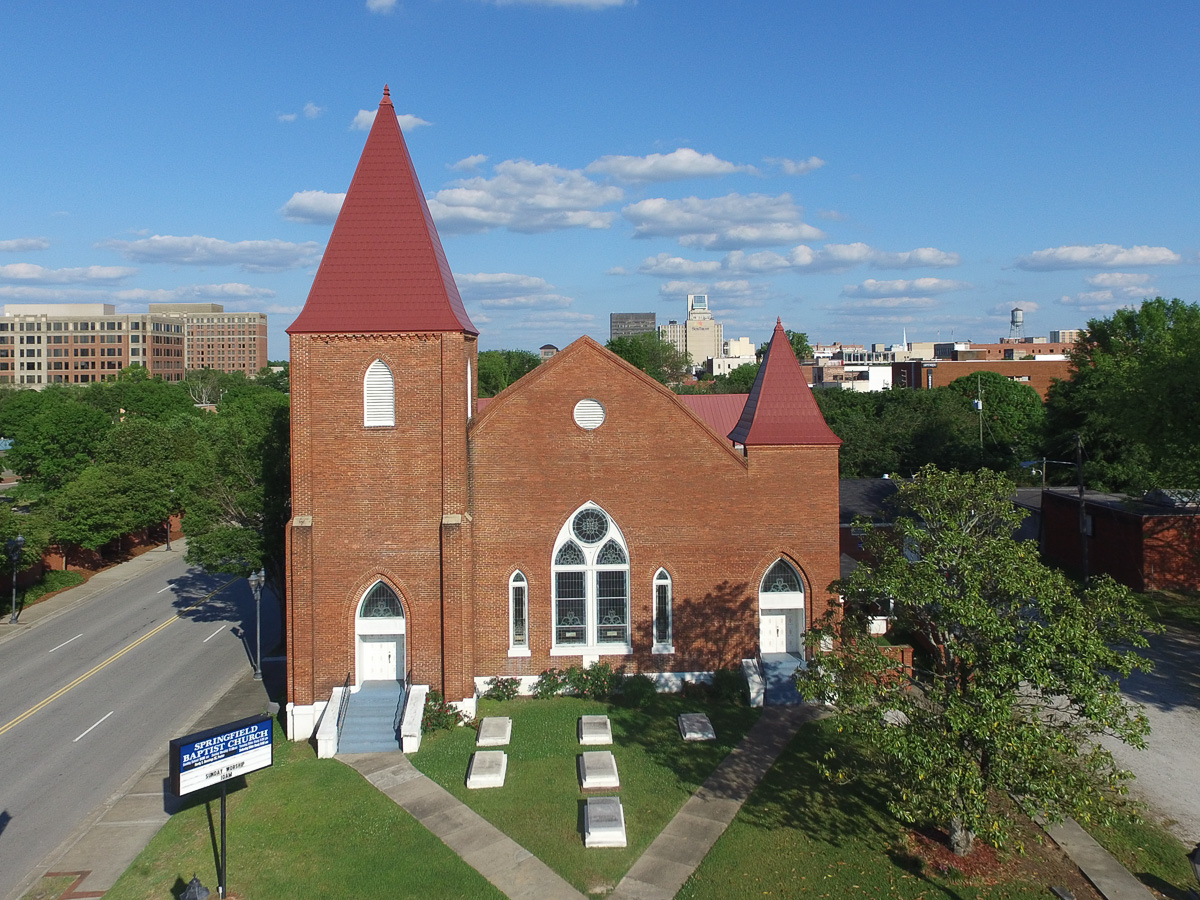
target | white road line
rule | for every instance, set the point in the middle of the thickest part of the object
(213, 635)
(64, 643)
(85, 734)
(167, 588)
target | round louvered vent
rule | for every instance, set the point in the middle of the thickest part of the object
(589, 414)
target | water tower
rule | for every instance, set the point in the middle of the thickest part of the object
(1016, 329)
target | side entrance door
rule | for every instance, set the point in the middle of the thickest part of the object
(379, 658)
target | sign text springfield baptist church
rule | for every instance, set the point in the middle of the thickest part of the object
(218, 754)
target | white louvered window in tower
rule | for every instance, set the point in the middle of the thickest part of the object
(379, 396)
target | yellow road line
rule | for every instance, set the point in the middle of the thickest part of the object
(88, 674)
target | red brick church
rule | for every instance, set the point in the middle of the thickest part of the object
(586, 513)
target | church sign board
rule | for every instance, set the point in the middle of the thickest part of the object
(218, 754)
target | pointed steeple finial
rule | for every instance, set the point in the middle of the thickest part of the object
(387, 97)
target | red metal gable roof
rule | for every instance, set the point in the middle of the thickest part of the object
(384, 268)
(719, 411)
(781, 408)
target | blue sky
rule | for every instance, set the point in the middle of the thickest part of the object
(860, 170)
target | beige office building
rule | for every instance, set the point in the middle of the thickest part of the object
(78, 343)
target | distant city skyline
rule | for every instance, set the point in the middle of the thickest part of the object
(859, 172)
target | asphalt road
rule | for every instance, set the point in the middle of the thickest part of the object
(91, 694)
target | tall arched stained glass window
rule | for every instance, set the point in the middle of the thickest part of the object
(518, 605)
(591, 584)
(662, 613)
(381, 602)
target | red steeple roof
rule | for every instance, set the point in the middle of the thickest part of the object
(781, 408)
(384, 268)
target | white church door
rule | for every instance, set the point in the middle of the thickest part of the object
(379, 636)
(781, 610)
(773, 633)
(378, 659)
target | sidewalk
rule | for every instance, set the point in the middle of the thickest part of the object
(113, 576)
(99, 852)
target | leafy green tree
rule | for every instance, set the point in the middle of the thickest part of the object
(1021, 678)
(1132, 399)
(57, 442)
(654, 355)
(103, 503)
(500, 368)
(238, 499)
(275, 380)
(1013, 417)
(738, 381)
(900, 430)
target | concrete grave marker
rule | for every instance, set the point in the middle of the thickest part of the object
(494, 731)
(603, 822)
(696, 727)
(598, 769)
(595, 730)
(487, 769)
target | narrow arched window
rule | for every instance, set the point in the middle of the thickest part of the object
(379, 396)
(518, 606)
(468, 390)
(662, 613)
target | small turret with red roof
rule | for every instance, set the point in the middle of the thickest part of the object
(781, 408)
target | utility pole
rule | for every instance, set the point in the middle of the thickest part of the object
(1083, 537)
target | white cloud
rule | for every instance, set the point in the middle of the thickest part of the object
(311, 110)
(1118, 280)
(1097, 256)
(286, 117)
(525, 197)
(915, 259)
(23, 245)
(917, 286)
(381, 6)
(230, 291)
(557, 318)
(802, 258)
(470, 163)
(365, 118)
(197, 250)
(27, 273)
(577, 4)
(505, 290)
(1094, 302)
(47, 294)
(873, 304)
(798, 166)
(682, 163)
(722, 223)
(832, 215)
(317, 207)
(674, 266)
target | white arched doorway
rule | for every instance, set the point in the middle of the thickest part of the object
(379, 633)
(781, 610)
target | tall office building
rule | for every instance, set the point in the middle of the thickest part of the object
(629, 324)
(78, 343)
(699, 336)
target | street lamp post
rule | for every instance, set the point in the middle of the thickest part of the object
(14, 547)
(256, 585)
(169, 511)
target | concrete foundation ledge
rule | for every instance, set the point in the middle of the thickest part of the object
(755, 682)
(410, 722)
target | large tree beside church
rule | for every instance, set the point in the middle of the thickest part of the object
(1021, 676)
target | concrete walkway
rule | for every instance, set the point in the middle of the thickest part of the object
(497, 857)
(657, 875)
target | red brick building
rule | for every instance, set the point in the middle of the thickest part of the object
(584, 514)
(1148, 544)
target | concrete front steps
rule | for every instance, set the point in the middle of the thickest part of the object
(372, 718)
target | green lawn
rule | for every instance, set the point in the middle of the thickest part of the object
(1181, 610)
(801, 836)
(303, 828)
(540, 805)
